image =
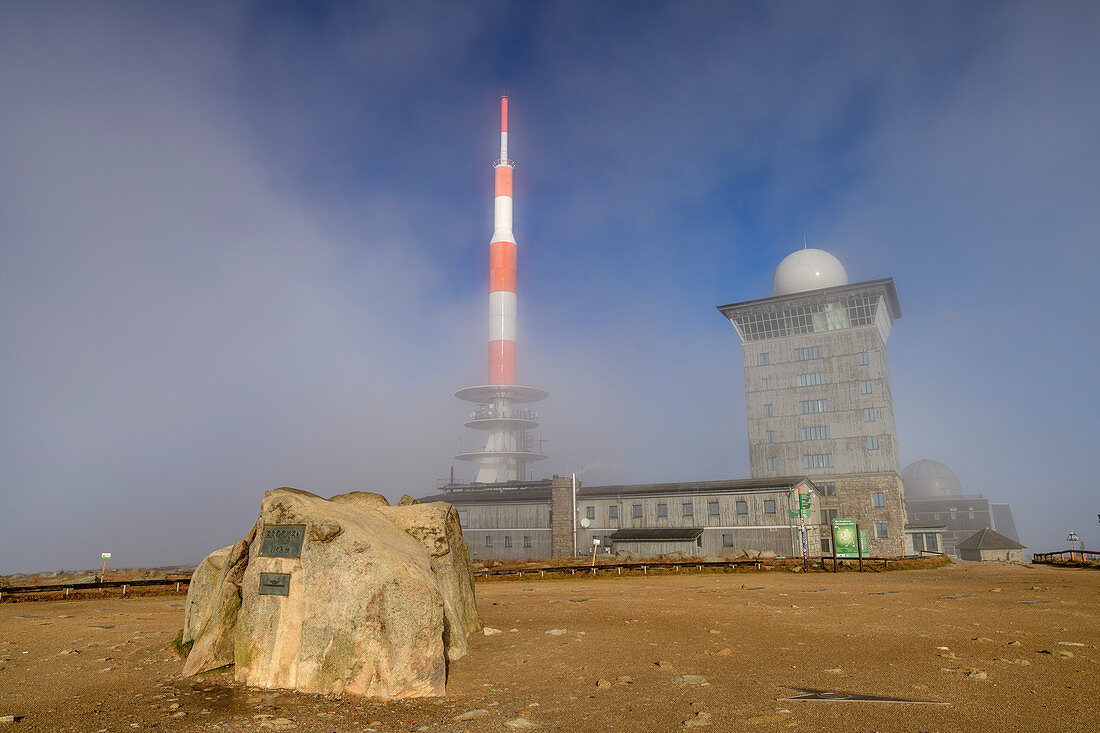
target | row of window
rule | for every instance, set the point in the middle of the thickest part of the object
(812, 379)
(814, 460)
(688, 509)
(507, 540)
(820, 432)
(813, 352)
(810, 407)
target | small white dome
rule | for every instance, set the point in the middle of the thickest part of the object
(808, 269)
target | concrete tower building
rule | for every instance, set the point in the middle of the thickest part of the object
(817, 391)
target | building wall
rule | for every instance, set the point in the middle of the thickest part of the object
(961, 515)
(992, 555)
(506, 525)
(845, 418)
(496, 522)
(854, 499)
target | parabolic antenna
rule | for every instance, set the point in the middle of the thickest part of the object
(585, 522)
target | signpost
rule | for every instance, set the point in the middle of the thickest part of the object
(103, 575)
(804, 504)
(595, 544)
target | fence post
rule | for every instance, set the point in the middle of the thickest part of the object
(123, 589)
(177, 587)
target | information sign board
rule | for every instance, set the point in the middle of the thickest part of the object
(844, 533)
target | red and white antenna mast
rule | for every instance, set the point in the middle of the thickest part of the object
(509, 446)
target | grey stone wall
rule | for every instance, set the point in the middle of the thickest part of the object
(854, 500)
(561, 517)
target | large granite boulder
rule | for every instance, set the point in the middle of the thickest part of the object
(345, 595)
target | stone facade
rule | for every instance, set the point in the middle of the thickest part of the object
(854, 498)
(561, 517)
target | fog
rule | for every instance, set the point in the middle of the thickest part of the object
(243, 248)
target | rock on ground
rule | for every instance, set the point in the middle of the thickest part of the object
(380, 599)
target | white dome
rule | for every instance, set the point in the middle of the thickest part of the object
(925, 479)
(808, 269)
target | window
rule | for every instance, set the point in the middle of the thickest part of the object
(590, 512)
(828, 515)
(868, 414)
(865, 387)
(818, 433)
(613, 511)
(811, 380)
(769, 506)
(526, 540)
(773, 464)
(727, 540)
(931, 543)
(829, 487)
(636, 511)
(662, 510)
(507, 540)
(767, 410)
(818, 460)
(712, 508)
(809, 407)
(766, 383)
(765, 359)
(689, 510)
(742, 507)
(918, 543)
(872, 442)
(880, 530)
(878, 499)
(464, 517)
(813, 352)
(826, 547)
(863, 358)
(488, 541)
(769, 437)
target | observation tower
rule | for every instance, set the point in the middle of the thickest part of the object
(510, 446)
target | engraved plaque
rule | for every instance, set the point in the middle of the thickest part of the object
(274, 584)
(282, 540)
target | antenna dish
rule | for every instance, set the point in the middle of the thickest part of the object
(585, 522)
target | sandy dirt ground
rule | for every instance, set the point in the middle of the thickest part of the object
(1002, 647)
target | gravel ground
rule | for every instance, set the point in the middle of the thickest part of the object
(1005, 647)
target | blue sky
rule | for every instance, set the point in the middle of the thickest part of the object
(245, 246)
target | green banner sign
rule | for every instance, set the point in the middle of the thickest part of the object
(865, 543)
(798, 515)
(804, 502)
(844, 534)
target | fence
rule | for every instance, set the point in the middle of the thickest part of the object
(1061, 556)
(67, 587)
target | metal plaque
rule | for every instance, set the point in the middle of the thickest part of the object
(282, 540)
(274, 584)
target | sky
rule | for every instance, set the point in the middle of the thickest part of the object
(244, 245)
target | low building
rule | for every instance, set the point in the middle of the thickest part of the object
(923, 539)
(990, 546)
(555, 518)
(934, 496)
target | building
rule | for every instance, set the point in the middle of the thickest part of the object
(558, 518)
(990, 546)
(817, 392)
(934, 496)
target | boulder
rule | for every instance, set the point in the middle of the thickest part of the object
(380, 599)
